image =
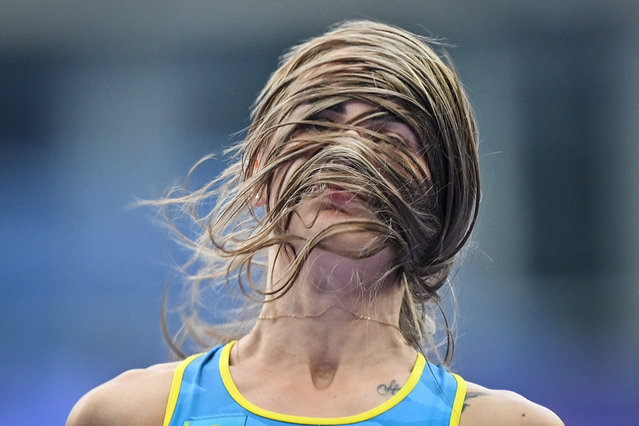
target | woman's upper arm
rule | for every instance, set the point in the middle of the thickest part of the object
(497, 407)
(136, 397)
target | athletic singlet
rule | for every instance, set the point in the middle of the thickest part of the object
(203, 394)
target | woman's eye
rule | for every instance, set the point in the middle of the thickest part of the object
(395, 137)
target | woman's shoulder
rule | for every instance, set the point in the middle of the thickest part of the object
(484, 406)
(134, 397)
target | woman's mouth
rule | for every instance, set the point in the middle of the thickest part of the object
(339, 196)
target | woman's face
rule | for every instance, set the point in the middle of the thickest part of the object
(334, 203)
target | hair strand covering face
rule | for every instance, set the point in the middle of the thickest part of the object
(425, 210)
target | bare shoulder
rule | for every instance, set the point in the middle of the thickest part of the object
(135, 397)
(498, 407)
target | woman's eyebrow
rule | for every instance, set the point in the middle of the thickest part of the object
(391, 117)
(384, 118)
(337, 109)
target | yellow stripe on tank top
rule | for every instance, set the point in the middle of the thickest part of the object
(420, 363)
(178, 374)
(458, 404)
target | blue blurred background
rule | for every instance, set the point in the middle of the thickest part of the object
(105, 101)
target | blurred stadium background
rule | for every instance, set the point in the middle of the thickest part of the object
(105, 101)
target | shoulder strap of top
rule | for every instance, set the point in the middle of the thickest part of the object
(178, 374)
(458, 403)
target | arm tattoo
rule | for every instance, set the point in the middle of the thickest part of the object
(471, 395)
(390, 389)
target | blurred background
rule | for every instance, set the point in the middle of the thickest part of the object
(103, 102)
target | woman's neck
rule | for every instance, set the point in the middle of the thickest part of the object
(325, 331)
(301, 366)
(320, 347)
(339, 313)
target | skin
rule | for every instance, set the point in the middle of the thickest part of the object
(306, 366)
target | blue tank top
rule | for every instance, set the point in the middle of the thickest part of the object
(203, 394)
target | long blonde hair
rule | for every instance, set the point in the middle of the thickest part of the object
(426, 214)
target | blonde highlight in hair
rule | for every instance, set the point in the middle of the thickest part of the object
(424, 208)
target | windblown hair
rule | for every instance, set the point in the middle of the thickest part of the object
(424, 210)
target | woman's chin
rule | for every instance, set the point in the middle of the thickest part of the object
(346, 273)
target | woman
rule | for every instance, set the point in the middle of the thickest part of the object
(358, 185)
